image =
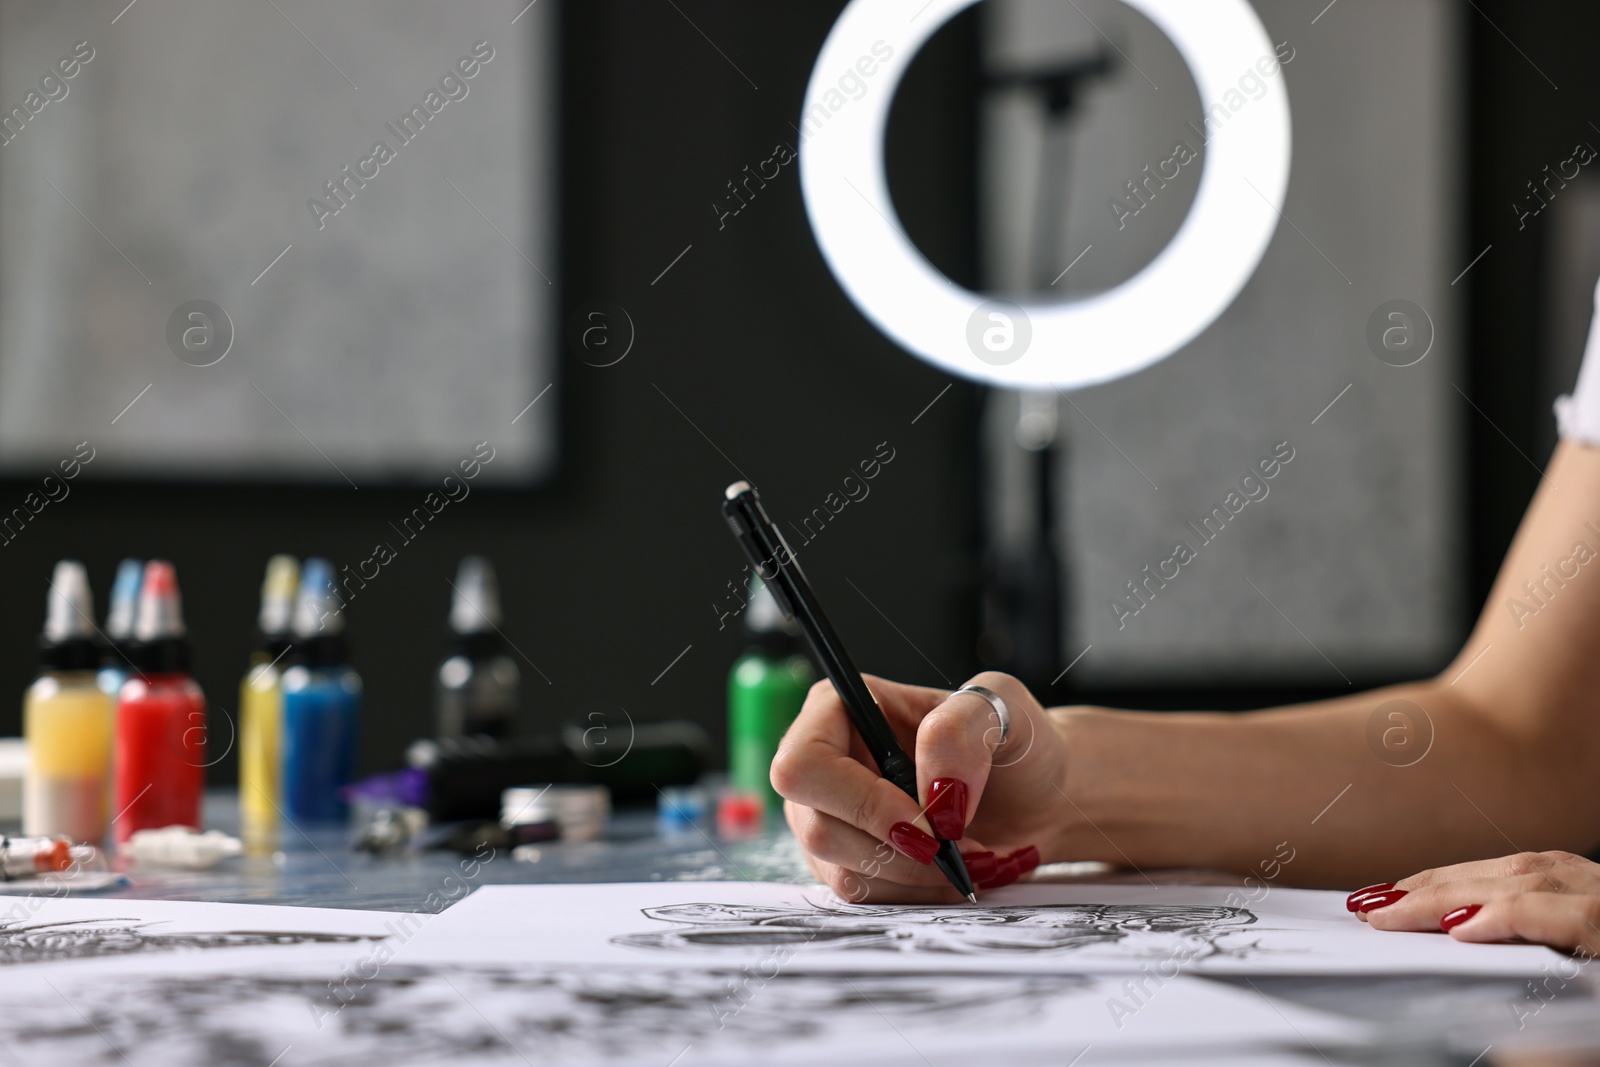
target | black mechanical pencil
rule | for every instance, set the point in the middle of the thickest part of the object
(776, 564)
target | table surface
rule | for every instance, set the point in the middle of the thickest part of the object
(1423, 1020)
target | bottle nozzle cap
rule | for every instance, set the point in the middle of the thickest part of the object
(318, 612)
(124, 600)
(69, 608)
(160, 605)
(475, 607)
(278, 591)
(764, 615)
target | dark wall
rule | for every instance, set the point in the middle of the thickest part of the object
(1533, 87)
(748, 362)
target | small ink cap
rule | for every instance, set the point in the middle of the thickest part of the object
(69, 607)
(318, 611)
(764, 616)
(124, 600)
(475, 606)
(278, 591)
(160, 605)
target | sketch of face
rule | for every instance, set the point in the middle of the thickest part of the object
(24, 942)
(968, 931)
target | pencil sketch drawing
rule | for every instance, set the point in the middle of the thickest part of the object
(36, 942)
(551, 1015)
(1138, 929)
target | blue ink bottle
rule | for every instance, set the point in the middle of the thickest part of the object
(321, 702)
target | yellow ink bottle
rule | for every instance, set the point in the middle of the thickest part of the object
(261, 709)
(67, 719)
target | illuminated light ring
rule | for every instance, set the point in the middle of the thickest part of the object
(1074, 343)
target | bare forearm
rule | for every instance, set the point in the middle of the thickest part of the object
(1224, 791)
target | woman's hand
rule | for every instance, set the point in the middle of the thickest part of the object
(1552, 898)
(869, 841)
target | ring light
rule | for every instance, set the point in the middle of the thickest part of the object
(1073, 343)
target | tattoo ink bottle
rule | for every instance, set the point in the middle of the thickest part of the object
(261, 708)
(321, 702)
(478, 682)
(161, 718)
(766, 687)
(67, 719)
(115, 661)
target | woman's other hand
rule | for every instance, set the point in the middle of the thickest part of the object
(1551, 898)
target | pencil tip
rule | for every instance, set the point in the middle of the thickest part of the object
(972, 898)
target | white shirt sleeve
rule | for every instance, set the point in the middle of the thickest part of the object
(1578, 415)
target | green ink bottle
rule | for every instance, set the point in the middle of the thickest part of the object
(766, 687)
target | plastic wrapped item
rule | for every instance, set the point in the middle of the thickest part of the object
(580, 812)
(181, 846)
(528, 818)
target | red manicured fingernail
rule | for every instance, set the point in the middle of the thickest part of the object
(913, 842)
(1459, 916)
(947, 808)
(1026, 858)
(1006, 871)
(980, 865)
(1360, 894)
(1379, 900)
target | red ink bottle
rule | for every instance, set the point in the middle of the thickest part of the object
(159, 775)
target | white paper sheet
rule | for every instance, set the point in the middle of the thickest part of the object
(182, 983)
(1025, 929)
(463, 1013)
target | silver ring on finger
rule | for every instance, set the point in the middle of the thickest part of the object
(1001, 712)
